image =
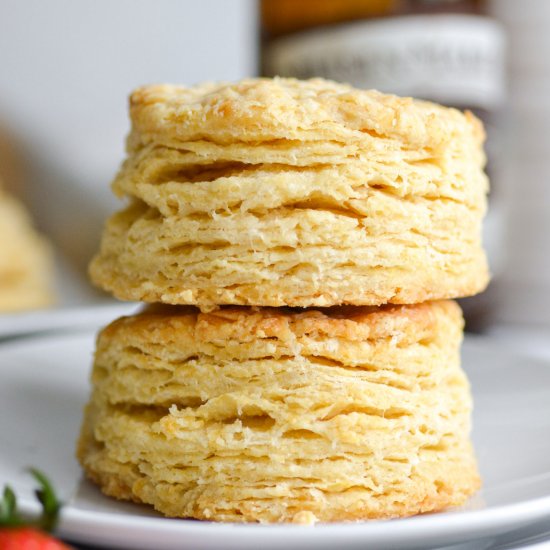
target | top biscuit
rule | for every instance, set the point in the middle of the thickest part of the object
(259, 110)
(299, 193)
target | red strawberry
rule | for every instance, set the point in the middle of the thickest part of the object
(27, 538)
(17, 534)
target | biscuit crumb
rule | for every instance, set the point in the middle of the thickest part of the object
(305, 517)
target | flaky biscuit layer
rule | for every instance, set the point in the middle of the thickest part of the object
(295, 193)
(276, 415)
(266, 110)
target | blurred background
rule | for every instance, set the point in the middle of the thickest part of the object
(66, 68)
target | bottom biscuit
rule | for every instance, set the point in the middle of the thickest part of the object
(251, 414)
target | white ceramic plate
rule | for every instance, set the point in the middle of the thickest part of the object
(43, 385)
(65, 318)
(47, 320)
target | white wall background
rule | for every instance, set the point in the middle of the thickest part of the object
(524, 286)
(66, 68)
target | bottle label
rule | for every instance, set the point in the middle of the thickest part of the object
(452, 58)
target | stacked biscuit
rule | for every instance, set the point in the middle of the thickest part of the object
(301, 240)
(26, 270)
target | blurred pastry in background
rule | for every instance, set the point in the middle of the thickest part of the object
(26, 261)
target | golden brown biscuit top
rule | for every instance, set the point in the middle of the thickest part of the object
(259, 110)
(246, 324)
